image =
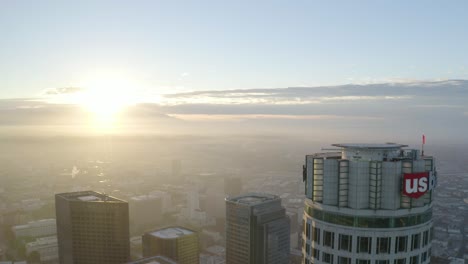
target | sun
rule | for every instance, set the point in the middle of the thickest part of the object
(105, 100)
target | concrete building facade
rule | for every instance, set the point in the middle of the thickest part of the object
(39, 228)
(46, 247)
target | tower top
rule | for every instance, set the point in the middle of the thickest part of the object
(251, 199)
(370, 146)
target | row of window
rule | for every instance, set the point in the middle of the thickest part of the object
(329, 258)
(364, 243)
(375, 182)
(368, 222)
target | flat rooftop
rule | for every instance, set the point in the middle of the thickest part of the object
(253, 198)
(327, 155)
(89, 196)
(370, 145)
(171, 232)
(153, 260)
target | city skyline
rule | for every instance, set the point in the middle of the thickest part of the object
(176, 131)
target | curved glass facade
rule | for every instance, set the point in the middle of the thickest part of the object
(368, 222)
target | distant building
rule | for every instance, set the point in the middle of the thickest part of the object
(177, 243)
(232, 186)
(46, 247)
(40, 228)
(153, 260)
(145, 212)
(176, 170)
(92, 228)
(368, 203)
(214, 186)
(257, 230)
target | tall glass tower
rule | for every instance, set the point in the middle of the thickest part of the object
(257, 230)
(368, 204)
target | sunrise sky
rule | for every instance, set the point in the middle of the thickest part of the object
(168, 65)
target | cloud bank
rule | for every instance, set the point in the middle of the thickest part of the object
(388, 111)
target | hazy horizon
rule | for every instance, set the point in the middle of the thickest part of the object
(385, 112)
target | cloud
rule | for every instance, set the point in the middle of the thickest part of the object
(396, 110)
(438, 106)
(216, 117)
(63, 90)
(325, 94)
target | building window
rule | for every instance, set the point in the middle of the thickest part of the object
(425, 238)
(400, 261)
(423, 256)
(375, 184)
(345, 242)
(327, 258)
(307, 248)
(306, 260)
(344, 260)
(400, 244)
(316, 254)
(414, 260)
(382, 262)
(343, 183)
(317, 188)
(316, 235)
(328, 238)
(308, 231)
(383, 245)
(362, 261)
(415, 241)
(364, 245)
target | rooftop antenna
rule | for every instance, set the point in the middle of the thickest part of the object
(422, 145)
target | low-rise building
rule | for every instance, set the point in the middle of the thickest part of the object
(40, 228)
(47, 248)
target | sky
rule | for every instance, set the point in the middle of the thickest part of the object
(160, 47)
(367, 70)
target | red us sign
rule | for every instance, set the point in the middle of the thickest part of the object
(417, 184)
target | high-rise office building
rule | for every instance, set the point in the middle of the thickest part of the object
(177, 243)
(368, 203)
(257, 230)
(92, 228)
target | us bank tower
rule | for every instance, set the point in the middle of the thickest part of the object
(368, 204)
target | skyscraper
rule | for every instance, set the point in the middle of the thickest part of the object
(92, 228)
(368, 203)
(257, 230)
(178, 243)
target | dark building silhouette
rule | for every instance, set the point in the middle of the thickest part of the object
(92, 228)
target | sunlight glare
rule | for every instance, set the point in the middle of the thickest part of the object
(105, 99)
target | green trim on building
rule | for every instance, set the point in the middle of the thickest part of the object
(368, 222)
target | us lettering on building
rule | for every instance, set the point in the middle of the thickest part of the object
(417, 184)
